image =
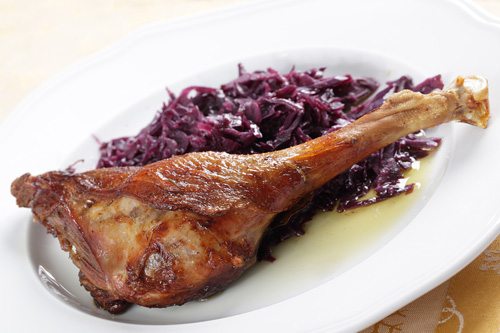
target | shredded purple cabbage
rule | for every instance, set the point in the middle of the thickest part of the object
(265, 111)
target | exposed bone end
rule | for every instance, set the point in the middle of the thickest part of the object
(472, 95)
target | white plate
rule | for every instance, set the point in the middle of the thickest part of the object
(117, 91)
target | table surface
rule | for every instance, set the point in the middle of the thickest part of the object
(37, 42)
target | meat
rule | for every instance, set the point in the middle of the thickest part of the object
(186, 227)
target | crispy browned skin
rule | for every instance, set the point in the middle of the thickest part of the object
(185, 228)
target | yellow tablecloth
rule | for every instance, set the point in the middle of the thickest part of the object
(38, 39)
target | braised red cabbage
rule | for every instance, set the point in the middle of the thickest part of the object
(264, 111)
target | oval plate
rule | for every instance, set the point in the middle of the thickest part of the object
(358, 37)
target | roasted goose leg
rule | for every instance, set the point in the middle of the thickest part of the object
(185, 228)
